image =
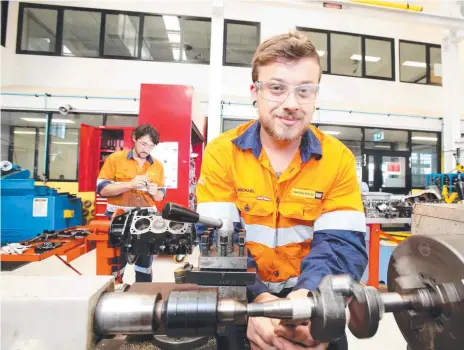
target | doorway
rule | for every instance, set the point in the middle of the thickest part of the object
(387, 171)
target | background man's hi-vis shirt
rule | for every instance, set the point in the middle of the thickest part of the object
(300, 226)
(122, 167)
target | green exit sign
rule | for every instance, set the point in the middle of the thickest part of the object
(379, 136)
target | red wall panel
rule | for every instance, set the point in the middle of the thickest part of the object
(169, 109)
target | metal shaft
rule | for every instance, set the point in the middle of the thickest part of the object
(209, 222)
(127, 313)
(395, 302)
(300, 309)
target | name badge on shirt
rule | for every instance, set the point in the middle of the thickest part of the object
(310, 194)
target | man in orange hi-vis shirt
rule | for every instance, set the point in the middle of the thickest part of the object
(292, 187)
(133, 179)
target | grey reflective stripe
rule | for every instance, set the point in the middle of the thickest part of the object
(277, 287)
(295, 234)
(349, 220)
(218, 210)
(146, 270)
(266, 235)
(112, 208)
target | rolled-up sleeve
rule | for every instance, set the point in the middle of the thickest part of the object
(339, 245)
(107, 174)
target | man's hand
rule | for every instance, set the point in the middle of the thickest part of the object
(139, 181)
(152, 189)
(260, 330)
(297, 337)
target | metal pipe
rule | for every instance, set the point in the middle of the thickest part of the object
(127, 313)
(395, 14)
(68, 96)
(400, 6)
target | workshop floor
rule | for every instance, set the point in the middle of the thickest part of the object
(388, 336)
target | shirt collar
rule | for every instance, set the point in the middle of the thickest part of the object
(130, 155)
(250, 139)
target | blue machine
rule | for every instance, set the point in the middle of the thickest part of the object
(28, 210)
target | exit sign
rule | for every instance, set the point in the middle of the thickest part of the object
(379, 136)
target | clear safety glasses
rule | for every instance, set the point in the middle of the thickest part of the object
(278, 91)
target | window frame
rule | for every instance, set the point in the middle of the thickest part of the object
(224, 46)
(104, 12)
(47, 140)
(427, 46)
(363, 52)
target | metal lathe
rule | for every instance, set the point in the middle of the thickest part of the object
(425, 294)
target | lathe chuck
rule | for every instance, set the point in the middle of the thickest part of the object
(424, 262)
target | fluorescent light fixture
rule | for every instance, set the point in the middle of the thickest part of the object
(44, 120)
(424, 138)
(382, 146)
(27, 132)
(64, 143)
(66, 50)
(320, 52)
(367, 58)
(414, 64)
(171, 23)
(174, 37)
(330, 132)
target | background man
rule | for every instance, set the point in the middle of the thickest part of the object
(295, 189)
(131, 179)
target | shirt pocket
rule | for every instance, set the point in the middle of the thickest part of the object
(301, 209)
(250, 205)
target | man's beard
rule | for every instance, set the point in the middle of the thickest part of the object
(141, 155)
(282, 132)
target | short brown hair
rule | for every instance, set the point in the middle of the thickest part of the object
(146, 129)
(291, 46)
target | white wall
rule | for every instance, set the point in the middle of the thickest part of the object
(87, 76)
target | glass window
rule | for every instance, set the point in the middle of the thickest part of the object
(64, 143)
(23, 140)
(161, 38)
(351, 138)
(424, 157)
(345, 54)
(379, 54)
(120, 120)
(242, 39)
(228, 124)
(319, 39)
(121, 35)
(81, 33)
(197, 40)
(39, 29)
(386, 140)
(435, 65)
(413, 66)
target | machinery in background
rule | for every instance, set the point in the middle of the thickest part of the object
(28, 209)
(389, 206)
(450, 185)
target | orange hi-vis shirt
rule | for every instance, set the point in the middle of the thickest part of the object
(300, 225)
(122, 167)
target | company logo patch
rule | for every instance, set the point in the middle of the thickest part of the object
(248, 190)
(310, 194)
(262, 198)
